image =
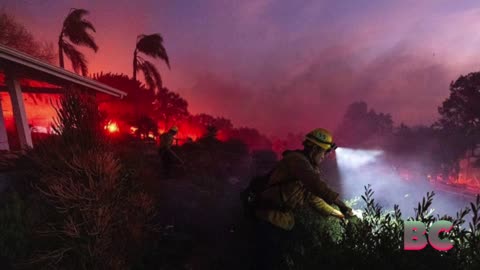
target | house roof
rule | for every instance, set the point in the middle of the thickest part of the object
(30, 70)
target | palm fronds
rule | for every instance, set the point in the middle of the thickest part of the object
(79, 62)
(76, 30)
(151, 74)
(152, 45)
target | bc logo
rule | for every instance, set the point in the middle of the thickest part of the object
(415, 238)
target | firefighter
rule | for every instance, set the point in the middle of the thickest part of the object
(166, 153)
(295, 181)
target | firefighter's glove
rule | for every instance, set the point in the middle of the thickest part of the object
(337, 214)
(347, 211)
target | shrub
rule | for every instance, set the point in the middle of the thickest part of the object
(14, 229)
(376, 240)
(93, 215)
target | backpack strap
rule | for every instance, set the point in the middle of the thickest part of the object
(279, 184)
(269, 174)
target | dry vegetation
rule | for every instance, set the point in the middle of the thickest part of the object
(77, 202)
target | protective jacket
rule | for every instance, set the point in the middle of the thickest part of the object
(295, 182)
(166, 141)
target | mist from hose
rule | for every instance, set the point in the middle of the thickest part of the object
(360, 167)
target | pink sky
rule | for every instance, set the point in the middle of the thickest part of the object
(286, 66)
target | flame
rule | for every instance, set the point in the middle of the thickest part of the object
(133, 130)
(112, 127)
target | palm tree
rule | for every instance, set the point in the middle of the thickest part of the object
(75, 30)
(151, 45)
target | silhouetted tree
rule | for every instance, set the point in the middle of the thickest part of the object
(169, 107)
(461, 110)
(207, 120)
(413, 149)
(137, 103)
(15, 35)
(251, 137)
(459, 123)
(75, 29)
(360, 125)
(151, 45)
(145, 126)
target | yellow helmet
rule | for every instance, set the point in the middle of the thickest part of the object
(322, 138)
(174, 129)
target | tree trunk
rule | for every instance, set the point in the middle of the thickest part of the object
(60, 52)
(135, 65)
(137, 101)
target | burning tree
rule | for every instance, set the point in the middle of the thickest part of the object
(142, 107)
(169, 107)
(135, 110)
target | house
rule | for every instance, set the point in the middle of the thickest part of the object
(22, 75)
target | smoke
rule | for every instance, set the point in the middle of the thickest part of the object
(285, 66)
(292, 81)
(361, 167)
(406, 82)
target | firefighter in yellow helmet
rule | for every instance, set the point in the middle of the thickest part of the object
(294, 182)
(165, 151)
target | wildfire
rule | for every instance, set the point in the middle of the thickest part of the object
(133, 130)
(186, 133)
(112, 127)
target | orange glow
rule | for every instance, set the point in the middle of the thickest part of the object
(25, 82)
(133, 130)
(39, 108)
(112, 127)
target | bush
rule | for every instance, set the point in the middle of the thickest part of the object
(376, 240)
(93, 216)
(14, 229)
(213, 165)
